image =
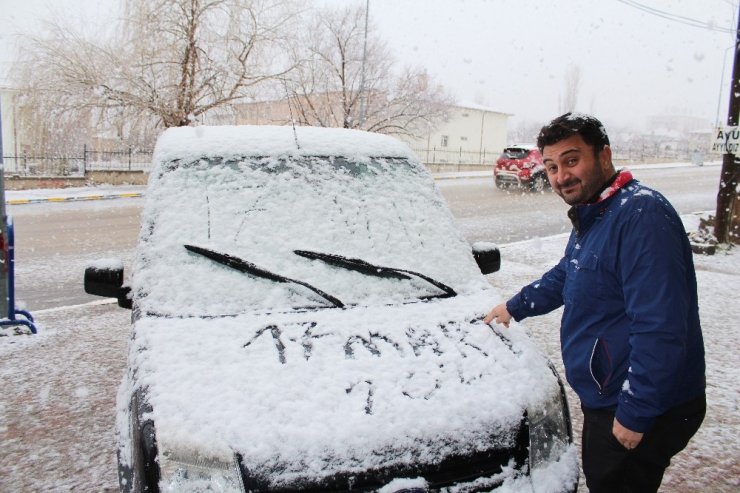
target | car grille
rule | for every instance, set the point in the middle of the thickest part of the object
(508, 177)
(452, 471)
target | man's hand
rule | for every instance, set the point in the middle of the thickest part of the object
(499, 314)
(628, 438)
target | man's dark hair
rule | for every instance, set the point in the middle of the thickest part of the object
(590, 129)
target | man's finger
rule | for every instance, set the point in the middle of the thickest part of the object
(491, 317)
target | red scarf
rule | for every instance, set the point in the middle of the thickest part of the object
(623, 177)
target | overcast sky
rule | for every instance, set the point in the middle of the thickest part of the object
(512, 55)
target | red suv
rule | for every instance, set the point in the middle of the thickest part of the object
(520, 166)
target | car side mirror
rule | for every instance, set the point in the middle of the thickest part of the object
(106, 280)
(487, 256)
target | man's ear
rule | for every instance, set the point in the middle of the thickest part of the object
(605, 157)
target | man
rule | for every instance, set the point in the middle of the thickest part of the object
(630, 335)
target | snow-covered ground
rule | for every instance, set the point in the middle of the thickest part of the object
(73, 193)
(711, 461)
(57, 389)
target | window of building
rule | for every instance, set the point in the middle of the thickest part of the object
(464, 115)
(463, 138)
(444, 141)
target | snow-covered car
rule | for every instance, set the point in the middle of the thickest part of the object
(521, 166)
(307, 317)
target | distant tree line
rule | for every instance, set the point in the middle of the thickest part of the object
(183, 62)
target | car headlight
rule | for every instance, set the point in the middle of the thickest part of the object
(185, 473)
(549, 430)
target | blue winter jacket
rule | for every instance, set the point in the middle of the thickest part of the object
(630, 333)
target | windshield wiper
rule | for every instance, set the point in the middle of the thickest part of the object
(360, 265)
(249, 268)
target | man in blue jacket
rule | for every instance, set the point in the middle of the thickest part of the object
(630, 334)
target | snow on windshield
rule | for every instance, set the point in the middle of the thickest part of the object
(261, 209)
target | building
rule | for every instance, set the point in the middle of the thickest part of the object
(473, 134)
(8, 144)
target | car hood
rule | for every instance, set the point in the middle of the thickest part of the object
(311, 393)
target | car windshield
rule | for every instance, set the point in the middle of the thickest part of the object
(515, 153)
(223, 236)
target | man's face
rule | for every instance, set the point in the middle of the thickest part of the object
(574, 172)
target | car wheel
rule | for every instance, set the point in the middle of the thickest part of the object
(538, 184)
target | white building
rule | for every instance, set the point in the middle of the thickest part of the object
(7, 123)
(474, 134)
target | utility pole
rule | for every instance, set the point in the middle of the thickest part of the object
(363, 98)
(727, 217)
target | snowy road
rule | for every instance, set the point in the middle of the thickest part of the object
(61, 238)
(57, 388)
(487, 214)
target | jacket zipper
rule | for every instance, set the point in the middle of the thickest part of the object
(591, 365)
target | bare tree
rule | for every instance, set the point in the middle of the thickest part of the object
(328, 88)
(171, 63)
(572, 87)
(525, 132)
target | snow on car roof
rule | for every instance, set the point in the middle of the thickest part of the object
(271, 140)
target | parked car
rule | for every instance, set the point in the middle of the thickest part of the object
(521, 166)
(307, 317)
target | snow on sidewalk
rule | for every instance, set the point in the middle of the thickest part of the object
(57, 389)
(102, 192)
(710, 462)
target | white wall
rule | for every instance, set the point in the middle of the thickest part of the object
(470, 129)
(8, 122)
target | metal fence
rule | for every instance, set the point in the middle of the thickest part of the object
(140, 160)
(446, 155)
(644, 151)
(89, 160)
(436, 159)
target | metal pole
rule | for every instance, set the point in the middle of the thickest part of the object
(363, 100)
(721, 83)
(4, 261)
(1, 130)
(482, 124)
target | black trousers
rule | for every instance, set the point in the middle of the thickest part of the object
(611, 468)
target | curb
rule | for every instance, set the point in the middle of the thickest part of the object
(75, 199)
(463, 177)
(81, 198)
